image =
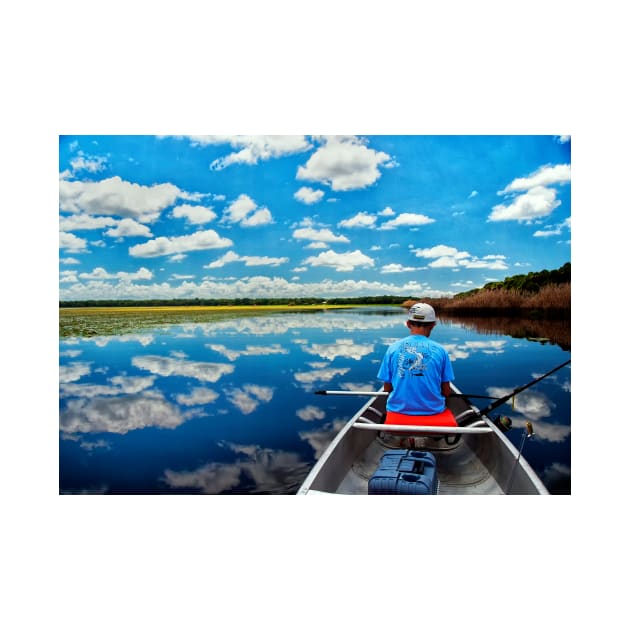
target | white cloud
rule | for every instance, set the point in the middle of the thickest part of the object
(114, 196)
(544, 176)
(444, 261)
(396, 268)
(68, 276)
(245, 211)
(227, 258)
(323, 235)
(195, 215)
(340, 262)
(72, 243)
(538, 199)
(548, 232)
(179, 276)
(362, 219)
(129, 227)
(163, 246)
(446, 256)
(92, 164)
(99, 273)
(239, 209)
(344, 163)
(250, 261)
(260, 217)
(437, 251)
(407, 219)
(536, 203)
(554, 230)
(84, 222)
(253, 148)
(308, 195)
(387, 212)
(487, 262)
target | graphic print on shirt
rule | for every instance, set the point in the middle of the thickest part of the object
(411, 360)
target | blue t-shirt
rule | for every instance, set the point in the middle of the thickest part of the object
(416, 367)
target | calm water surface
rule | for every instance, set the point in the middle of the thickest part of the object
(228, 405)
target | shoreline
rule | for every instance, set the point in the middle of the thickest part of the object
(211, 309)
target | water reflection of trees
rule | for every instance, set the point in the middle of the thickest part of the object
(544, 331)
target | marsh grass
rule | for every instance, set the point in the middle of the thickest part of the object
(553, 300)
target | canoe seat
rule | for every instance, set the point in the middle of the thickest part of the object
(444, 419)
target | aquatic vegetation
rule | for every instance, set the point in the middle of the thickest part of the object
(92, 322)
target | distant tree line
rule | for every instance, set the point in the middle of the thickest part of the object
(259, 301)
(532, 282)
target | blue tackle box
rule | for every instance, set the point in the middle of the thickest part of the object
(402, 471)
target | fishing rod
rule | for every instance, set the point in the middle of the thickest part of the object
(324, 392)
(527, 433)
(497, 401)
(513, 393)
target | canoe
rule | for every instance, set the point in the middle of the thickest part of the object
(473, 458)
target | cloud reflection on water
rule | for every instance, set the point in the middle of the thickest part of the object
(167, 366)
(263, 471)
(120, 414)
(345, 348)
(249, 351)
(248, 398)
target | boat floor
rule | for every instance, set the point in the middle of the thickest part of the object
(460, 471)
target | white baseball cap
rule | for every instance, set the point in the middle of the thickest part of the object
(421, 312)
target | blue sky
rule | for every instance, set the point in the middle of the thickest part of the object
(282, 216)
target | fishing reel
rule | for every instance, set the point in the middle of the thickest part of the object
(503, 423)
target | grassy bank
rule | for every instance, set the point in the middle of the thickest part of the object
(113, 310)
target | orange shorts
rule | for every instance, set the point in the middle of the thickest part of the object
(444, 419)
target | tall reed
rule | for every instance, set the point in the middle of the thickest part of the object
(551, 300)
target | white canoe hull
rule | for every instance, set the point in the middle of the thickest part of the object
(482, 460)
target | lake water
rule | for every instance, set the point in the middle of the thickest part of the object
(226, 404)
